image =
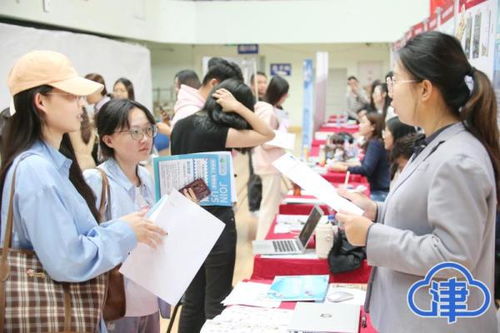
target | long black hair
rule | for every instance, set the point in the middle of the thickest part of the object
(242, 93)
(23, 129)
(387, 99)
(214, 114)
(403, 148)
(113, 116)
(277, 88)
(439, 58)
(399, 129)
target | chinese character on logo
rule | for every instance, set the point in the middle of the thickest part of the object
(449, 297)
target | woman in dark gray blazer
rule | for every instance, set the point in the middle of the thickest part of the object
(443, 206)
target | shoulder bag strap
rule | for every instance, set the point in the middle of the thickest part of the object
(104, 195)
(4, 265)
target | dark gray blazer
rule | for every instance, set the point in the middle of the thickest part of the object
(442, 208)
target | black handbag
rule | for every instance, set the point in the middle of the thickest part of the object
(343, 256)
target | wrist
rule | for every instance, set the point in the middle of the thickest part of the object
(374, 211)
(240, 108)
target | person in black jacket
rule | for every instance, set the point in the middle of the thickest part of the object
(375, 164)
(225, 122)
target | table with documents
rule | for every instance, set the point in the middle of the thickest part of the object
(248, 310)
(267, 267)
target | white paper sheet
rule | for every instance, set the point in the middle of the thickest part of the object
(283, 140)
(309, 180)
(251, 294)
(168, 270)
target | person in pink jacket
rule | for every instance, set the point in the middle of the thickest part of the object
(264, 155)
(190, 100)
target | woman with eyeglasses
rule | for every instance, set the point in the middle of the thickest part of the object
(126, 130)
(442, 209)
(54, 212)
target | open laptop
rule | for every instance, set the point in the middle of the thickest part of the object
(290, 246)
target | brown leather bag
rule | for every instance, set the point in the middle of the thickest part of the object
(115, 305)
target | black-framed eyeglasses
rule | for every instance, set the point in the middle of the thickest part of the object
(138, 133)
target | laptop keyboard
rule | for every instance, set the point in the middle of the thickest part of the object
(285, 245)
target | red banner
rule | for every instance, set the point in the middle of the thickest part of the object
(432, 22)
(435, 4)
(447, 14)
(466, 4)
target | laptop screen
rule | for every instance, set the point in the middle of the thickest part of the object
(312, 222)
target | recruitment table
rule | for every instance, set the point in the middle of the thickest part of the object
(255, 324)
(267, 267)
(365, 325)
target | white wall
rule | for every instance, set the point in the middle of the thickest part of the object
(153, 20)
(307, 21)
(224, 22)
(88, 54)
(167, 60)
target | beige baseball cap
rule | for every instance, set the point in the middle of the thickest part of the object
(51, 68)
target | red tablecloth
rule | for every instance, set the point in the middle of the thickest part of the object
(300, 209)
(314, 152)
(268, 267)
(341, 128)
(339, 177)
(317, 143)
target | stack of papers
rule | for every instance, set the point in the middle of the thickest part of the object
(249, 320)
(168, 270)
(251, 294)
(299, 288)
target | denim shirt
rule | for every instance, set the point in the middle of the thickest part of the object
(53, 219)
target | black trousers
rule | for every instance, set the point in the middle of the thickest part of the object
(213, 282)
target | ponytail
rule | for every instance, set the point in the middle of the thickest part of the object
(479, 116)
(439, 58)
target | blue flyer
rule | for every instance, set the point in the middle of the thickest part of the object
(216, 169)
(299, 288)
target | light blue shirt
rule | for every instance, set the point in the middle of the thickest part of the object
(122, 191)
(53, 219)
(123, 200)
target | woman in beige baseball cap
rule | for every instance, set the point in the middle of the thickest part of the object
(54, 209)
